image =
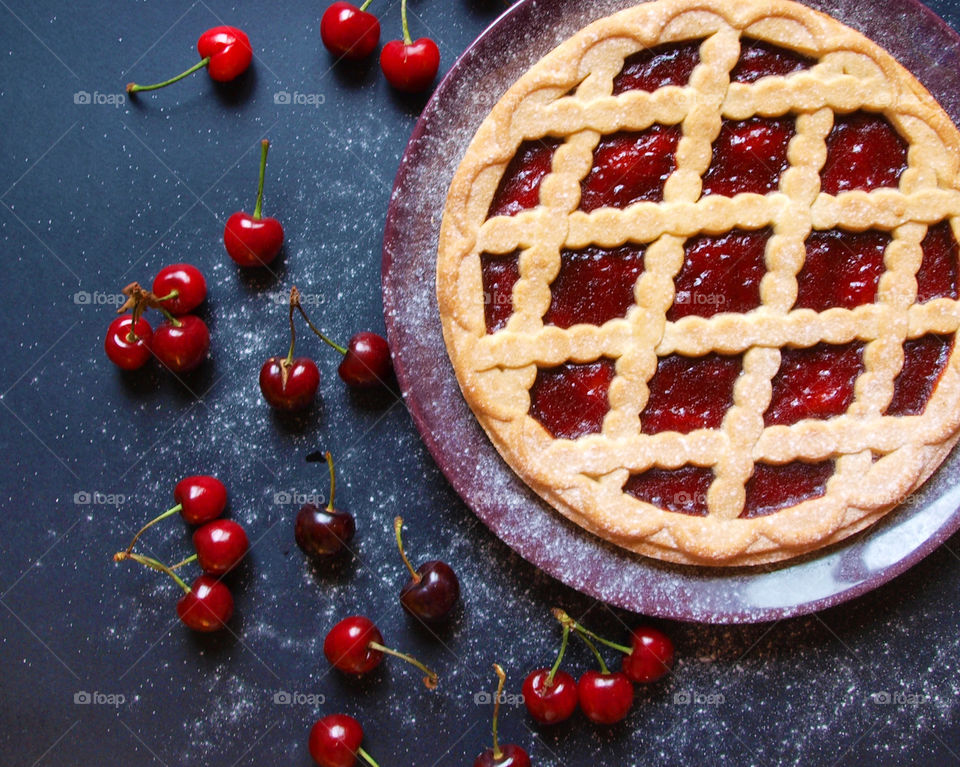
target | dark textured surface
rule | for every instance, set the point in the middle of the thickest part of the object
(94, 196)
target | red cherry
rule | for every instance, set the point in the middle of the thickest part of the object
(355, 646)
(335, 742)
(297, 391)
(349, 31)
(220, 546)
(182, 343)
(125, 350)
(651, 657)
(224, 51)
(207, 606)
(323, 533)
(200, 498)
(181, 287)
(410, 66)
(551, 701)
(605, 698)
(254, 240)
(509, 755)
(367, 362)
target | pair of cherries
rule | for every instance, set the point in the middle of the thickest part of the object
(605, 697)
(220, 545)
(353, 33)
(180, 343)
(290, 383)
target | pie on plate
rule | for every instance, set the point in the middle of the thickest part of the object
(698, 279)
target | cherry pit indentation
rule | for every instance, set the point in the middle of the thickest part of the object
(630, 167)
(594, 285)
(688, 393)
(924, 360)
(761, 59)
(519, 187)
(682, 490)
(653, 68)
(499, 273)
(773, 487)
(570, 400)
(937, 276)
(842, 269)
(720, 273)
(864, 152)
(817, 382)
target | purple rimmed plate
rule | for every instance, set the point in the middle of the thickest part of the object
(515, 41)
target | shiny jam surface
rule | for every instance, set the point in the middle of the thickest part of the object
(519, 187)
(863, 152)
(720, 273)
(937, 276)
(594, 285)
(654, 68)
(775, 487)
(682, 490)
(842, 269)
(688, 393)
(500, 273)
(924, 359)
(759, 59)
(629, 167)
(814, 383)
(570, 400)
(749, 156)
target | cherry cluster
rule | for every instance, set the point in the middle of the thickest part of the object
(353, 33)
(220, 545)
(181, 342)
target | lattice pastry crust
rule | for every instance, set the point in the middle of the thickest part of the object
(879, 459)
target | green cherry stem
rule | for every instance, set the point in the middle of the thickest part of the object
(182, 562)
(151, 523)
(170, 318)
(566, 620)
(294, 303)
(134, 88)
(592, 646)
(403, 17)
(264, 148)
(397, 526)
(556, 666)
(333, 480)
(153, 564)
(365, 5)
(501, 681)
(171, 295)
(430, 679)
(360, 752)
(314, 328)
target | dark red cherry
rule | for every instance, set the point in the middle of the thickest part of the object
(207, 606)
(550, 701)
(220, 546)
(651, 657)
(348, 31)
(126, 350)
(510, 756)
(347, 645)
(201, 498)
(367, 362)
(335, 742)
(605, 698)
(181, 343)
(181, 288)
(432, 591)
(324, 532)
(295, 391)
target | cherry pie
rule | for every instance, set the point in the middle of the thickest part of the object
(698, 278)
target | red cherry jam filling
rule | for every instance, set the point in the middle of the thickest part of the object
(924, 359)
(688, 393)
(749, 156)
(760, 59)
(682, 490)
(814, 383)
(500, 273)
(654, 68)
(720, 273)
(570, 400)
(776, 487)
(863, 152)
(842, 269)
(937, 276)
(594, 285)
(519, 187)
(629, 167)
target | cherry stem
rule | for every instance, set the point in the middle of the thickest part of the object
(170, 318)
(364, 6)
(360, 752)
(151, 523)
(182, 562)
(430, 680)
(566, 620)
(407, 40)
(264, 148)
(172, 294)
(556, 666)
(313, 327)
(294, 302)
(397, 525)
(333, 480)
(501, 681)
(603, 666)
(153, 564)
(134, 88)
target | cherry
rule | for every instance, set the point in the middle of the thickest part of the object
(550, 694)
(409, 65)
(290, 383)
(225, 52)
(207, 605)
(433, 589)
(335, 742)
(181, 288)
(509, 755)
(128, 342)
(220, 546)
(605, 697)
(348, 31)
(181, 343)
(199, 498)
(355, 646)
(324, 532)
(254, 240)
